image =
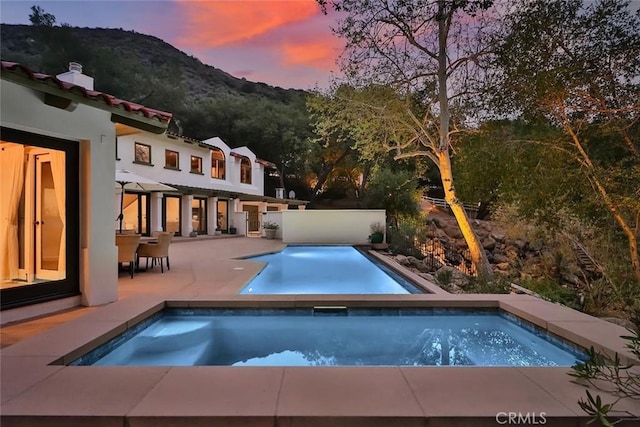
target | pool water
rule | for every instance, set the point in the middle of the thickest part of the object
(333, 336)
(324, 270)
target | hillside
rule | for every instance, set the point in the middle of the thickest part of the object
(21, 43)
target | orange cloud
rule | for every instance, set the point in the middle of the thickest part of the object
(318, 53)
(219, 23)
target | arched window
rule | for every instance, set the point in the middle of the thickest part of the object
(245, 171)
(217, 164)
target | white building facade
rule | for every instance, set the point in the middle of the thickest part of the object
(218, 189)
(56, 189)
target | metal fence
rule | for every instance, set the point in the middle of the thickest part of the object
(472, 210)
(437, 254)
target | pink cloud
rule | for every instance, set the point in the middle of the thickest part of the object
(219, 23)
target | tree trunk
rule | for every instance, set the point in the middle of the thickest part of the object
(478, 256)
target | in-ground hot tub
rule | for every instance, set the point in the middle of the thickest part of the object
(334, 336)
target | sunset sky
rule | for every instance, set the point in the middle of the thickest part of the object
(285, 43)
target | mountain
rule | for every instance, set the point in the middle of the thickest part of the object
(49, 49)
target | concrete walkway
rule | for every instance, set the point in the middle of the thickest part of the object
(204, 265)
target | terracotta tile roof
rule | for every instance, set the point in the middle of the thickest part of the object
(264, 163)
(109, 100)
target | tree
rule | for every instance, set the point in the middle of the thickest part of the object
(39, 17)
(578, 67)
(424, 51)
(394, 191)
(335, 135)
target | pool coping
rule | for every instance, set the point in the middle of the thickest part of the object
(290, 395)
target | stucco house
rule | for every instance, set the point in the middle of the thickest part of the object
(57, 188)
(60, 145)
(218, 189)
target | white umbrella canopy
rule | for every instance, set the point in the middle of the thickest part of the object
(131, 181)
(128, 180)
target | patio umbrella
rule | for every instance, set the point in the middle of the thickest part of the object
(131, 181)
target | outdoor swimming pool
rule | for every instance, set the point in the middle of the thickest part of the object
(333, 336)
(324, 270)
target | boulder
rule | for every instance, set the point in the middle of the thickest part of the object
(498, 236)
(489, 243)
(520, 244)
(401, 259)
(453, 232)
(499, 258)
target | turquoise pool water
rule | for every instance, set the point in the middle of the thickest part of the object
(333, 337)
(324, 270)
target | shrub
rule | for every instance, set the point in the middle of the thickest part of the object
(268, 225)
(483, 285)
(611, 375)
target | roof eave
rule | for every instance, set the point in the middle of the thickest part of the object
(67, 100)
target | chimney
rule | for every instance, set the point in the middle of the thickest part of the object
(75, 76)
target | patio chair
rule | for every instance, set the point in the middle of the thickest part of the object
(156, 250)
(127, 246)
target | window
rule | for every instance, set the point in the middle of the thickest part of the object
(171, 160)
(245, 171)
(142, 153)
(217, 164)
(196, 164)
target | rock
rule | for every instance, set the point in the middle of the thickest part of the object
(520, 244)
(503, 266)
(499, 236)
(427, 276)
(453, 232)
(489, 243)
(500, 258)
(401, 259)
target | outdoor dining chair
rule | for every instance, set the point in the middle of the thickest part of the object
(127, 246)
(156, 250)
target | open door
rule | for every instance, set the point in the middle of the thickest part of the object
(49, 218)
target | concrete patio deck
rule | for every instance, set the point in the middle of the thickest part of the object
(35, 392)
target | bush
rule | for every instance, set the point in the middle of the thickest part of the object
(611, 375)
(405, 238)
(482, 285)
(552, 291)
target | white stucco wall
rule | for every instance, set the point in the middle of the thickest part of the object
(93, 131)
(329, 226)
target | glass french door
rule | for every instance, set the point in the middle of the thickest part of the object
(48, 221)
(135, 211)
(199, 215)
(39, 204)
(172, 214)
